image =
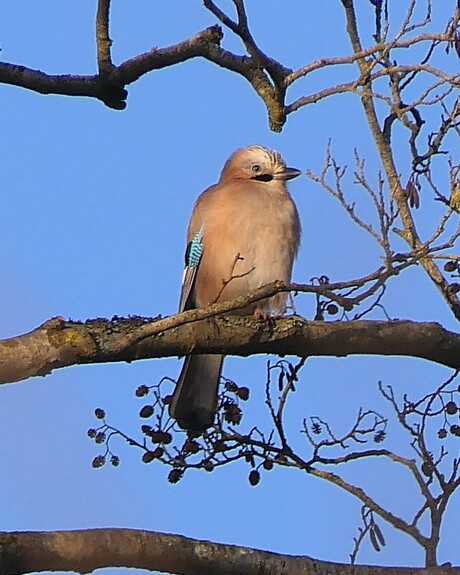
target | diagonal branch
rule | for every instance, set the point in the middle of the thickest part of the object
(394, 520)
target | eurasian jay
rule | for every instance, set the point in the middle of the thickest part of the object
(244, 232)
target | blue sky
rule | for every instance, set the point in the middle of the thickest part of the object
(94, 207)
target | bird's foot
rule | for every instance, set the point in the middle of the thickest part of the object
(264, 316)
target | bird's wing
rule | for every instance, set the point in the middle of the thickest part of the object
(193, 255)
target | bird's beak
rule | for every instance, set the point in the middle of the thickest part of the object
(287, 174)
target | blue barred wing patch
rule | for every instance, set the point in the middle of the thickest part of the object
(195, 249)
(193, 256)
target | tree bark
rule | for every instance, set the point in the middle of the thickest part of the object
(58, 343)
(83, 551)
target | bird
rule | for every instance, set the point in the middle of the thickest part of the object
(244, 232)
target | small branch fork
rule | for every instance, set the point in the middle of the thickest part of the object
(109, 86)
(370, 529)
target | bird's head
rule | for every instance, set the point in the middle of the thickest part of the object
(259, 164)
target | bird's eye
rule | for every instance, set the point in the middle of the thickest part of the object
(256, 168)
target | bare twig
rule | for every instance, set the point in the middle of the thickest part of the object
(103, 41)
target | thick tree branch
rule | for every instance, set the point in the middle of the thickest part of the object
(59, 343)
(109, 87)
(85, 551)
